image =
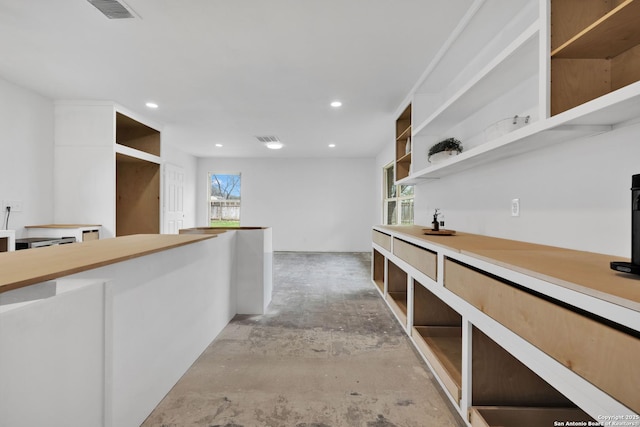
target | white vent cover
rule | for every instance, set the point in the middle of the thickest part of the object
(113, 9)
(266, 139)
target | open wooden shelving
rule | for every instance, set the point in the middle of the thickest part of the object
(137, 177)
(403, 144)
(507, 393)
(593, 52)
(437, 332)
(511, 330)
(378, 270)
(397, 291)
(594, 83)
(522, 416)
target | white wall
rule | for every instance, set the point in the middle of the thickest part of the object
(313, 204)
(26, 155)
(574, 195)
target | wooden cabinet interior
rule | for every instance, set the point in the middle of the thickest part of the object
(595, 49)
(505, 392)
(403, 144)
(531, 353)
(378, 270)
(531, 316)
(134, 134)
(137, 196)
(437, 332)
(397, 290)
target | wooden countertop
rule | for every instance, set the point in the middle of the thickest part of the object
(585, 272)
(63, 226)
(30, 266)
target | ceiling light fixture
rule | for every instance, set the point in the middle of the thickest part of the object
(336, 104)
(218, 145)
(332, 145)
(151, 105)
(274, 145)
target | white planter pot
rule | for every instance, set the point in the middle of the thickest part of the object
(442, 156)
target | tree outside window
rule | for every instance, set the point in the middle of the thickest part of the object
(224, 200)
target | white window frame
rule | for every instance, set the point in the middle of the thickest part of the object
(399, 199)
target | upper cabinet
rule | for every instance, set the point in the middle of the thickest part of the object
(595, 49)
(520, 75)
(403, 144)
(106, 168)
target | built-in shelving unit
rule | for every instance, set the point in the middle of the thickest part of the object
(403, 144)
(594, 52)
(517, 334)
(397, 291)
(137, 177)
(107, 168)
(574, 75)
(437, 332)
(378, 270)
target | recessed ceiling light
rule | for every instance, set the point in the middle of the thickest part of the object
(332, 145)
(336, 104)
(218, 145)
(151, 105)
(274, 145)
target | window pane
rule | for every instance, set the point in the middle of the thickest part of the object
(392, 216)
(224, 204)
(389, 182)
(406, 212)
(406, 190)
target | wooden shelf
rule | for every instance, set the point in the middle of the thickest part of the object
(442, 347)
(378, 270)
(407, 130)
(509, 416)
(403, 137)
(133, 134)
(405, 159)
(601, 53)
(609, 36)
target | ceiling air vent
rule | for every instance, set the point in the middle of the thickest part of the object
(271, 142)
(113, 9)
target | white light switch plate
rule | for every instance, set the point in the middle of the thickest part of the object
(515, 207)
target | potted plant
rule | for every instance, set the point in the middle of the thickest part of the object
(444, 149)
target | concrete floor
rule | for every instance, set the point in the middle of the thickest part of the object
(328, 353)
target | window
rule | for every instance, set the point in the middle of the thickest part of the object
(398, 200)
(224, 200)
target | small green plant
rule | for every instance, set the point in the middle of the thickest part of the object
(449, 144)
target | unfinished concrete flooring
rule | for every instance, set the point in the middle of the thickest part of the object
(328, 353)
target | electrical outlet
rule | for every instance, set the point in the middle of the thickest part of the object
(515, 207)
(16, 205)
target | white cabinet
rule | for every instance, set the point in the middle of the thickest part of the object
(81, 232)
(7, 240)
(517, 334)
(106, 169)
(498, 64)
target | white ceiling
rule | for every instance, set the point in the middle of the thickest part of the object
(226, 71)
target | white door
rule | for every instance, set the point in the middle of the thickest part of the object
(174, 199)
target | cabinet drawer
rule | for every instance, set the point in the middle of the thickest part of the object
(420, 258)
(382, 239)
(603, 355)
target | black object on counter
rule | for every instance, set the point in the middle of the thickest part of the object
(632, 267)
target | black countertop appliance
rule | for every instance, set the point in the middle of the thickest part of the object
(633, 266)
